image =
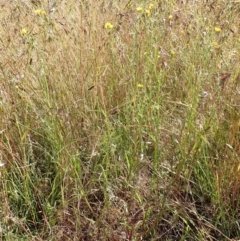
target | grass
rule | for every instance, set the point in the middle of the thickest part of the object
(119, 120)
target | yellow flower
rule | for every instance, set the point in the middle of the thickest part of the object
(37, 11)
(217, 29)
(139, 9)
(108, 25)
(215, 44)
(40, 12)
(170, 17)
(151, 5)
(147, 12)
(140, 86)
(23, 31)
(173, 52)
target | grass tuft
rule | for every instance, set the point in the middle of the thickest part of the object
(120, 120)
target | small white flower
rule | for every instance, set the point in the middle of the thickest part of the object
(2, 164)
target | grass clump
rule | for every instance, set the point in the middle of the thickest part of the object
(120, 120)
